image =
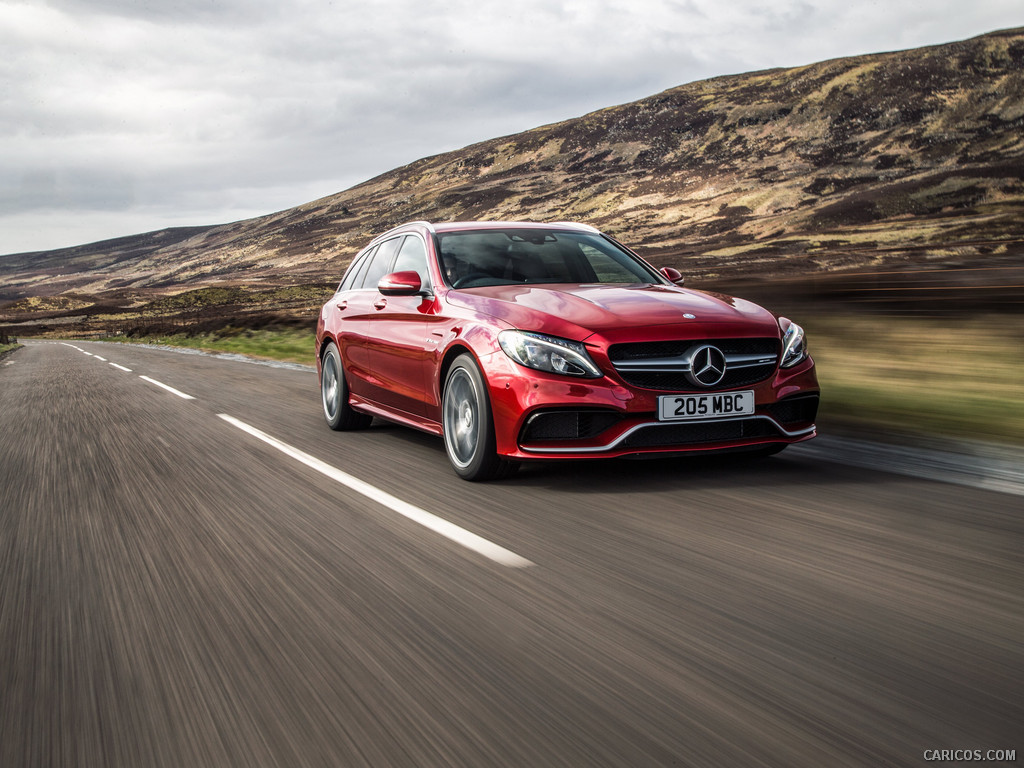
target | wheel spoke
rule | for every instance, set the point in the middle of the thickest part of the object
(330, 388)
(461, 418)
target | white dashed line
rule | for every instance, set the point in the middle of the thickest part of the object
(172, 390)
(450, 531)
(461, 536)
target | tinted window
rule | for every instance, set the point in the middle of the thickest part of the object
(380, 263)
(507, 256)
(412, 257)
(606, 268)
(354, 269)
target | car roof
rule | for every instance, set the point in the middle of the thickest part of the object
(459, 226)
(469, 226)
(478, 226)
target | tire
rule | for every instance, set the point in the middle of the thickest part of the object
(469, 426)
(334, 394)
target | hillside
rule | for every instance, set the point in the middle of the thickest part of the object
(890, 159)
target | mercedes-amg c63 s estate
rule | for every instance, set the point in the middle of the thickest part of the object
(519, 341)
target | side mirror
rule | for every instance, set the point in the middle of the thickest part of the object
(673, 275)
(401, 284)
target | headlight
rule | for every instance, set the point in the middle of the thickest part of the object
(548, 353)
(794, 344)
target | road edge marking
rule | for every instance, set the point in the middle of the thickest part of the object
(461, 536)
(172, 390)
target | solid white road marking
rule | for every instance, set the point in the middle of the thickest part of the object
(172, 390)
(451, 531)
(121, 367)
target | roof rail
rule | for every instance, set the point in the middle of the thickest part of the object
(426, 224)
(587, 227)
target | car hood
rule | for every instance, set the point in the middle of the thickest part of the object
(615, 311)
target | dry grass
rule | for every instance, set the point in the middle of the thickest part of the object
(285, 344)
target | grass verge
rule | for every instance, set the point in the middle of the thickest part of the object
(957, 378)
(287, 344)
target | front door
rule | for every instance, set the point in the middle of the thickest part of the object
(399, 353)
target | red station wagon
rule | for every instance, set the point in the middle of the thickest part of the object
(519, 341)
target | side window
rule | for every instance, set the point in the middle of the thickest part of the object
(413, 257)
(380, 263)
(357, 266)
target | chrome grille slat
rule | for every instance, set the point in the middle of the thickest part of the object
(681, 365)
(664, 365)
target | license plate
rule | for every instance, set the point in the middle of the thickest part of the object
(716, 406)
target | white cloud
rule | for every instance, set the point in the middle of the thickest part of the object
(203, 111)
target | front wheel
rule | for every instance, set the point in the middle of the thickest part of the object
(334, 394)
(468, 424)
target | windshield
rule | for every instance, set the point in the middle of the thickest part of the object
(509, 256)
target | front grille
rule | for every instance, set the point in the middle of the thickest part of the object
(795, 410)
(568, 425)
(695, 434)
(653, 349)
(672, 379)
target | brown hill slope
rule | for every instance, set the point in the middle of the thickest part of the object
(910, 156)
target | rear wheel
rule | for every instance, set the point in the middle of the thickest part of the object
(334, 394)
(469, 425)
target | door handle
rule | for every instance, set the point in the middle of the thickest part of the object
(341, 305)
(380, 303)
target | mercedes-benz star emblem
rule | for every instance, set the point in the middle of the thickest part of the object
(707, 366)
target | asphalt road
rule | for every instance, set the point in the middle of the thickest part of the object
(177, 591)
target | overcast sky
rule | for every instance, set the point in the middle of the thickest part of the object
(124, 116)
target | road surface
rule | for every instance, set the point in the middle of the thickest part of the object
(195, 571)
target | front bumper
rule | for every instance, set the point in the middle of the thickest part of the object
(541, 416)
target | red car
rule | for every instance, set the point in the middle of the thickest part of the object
(519, 341)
